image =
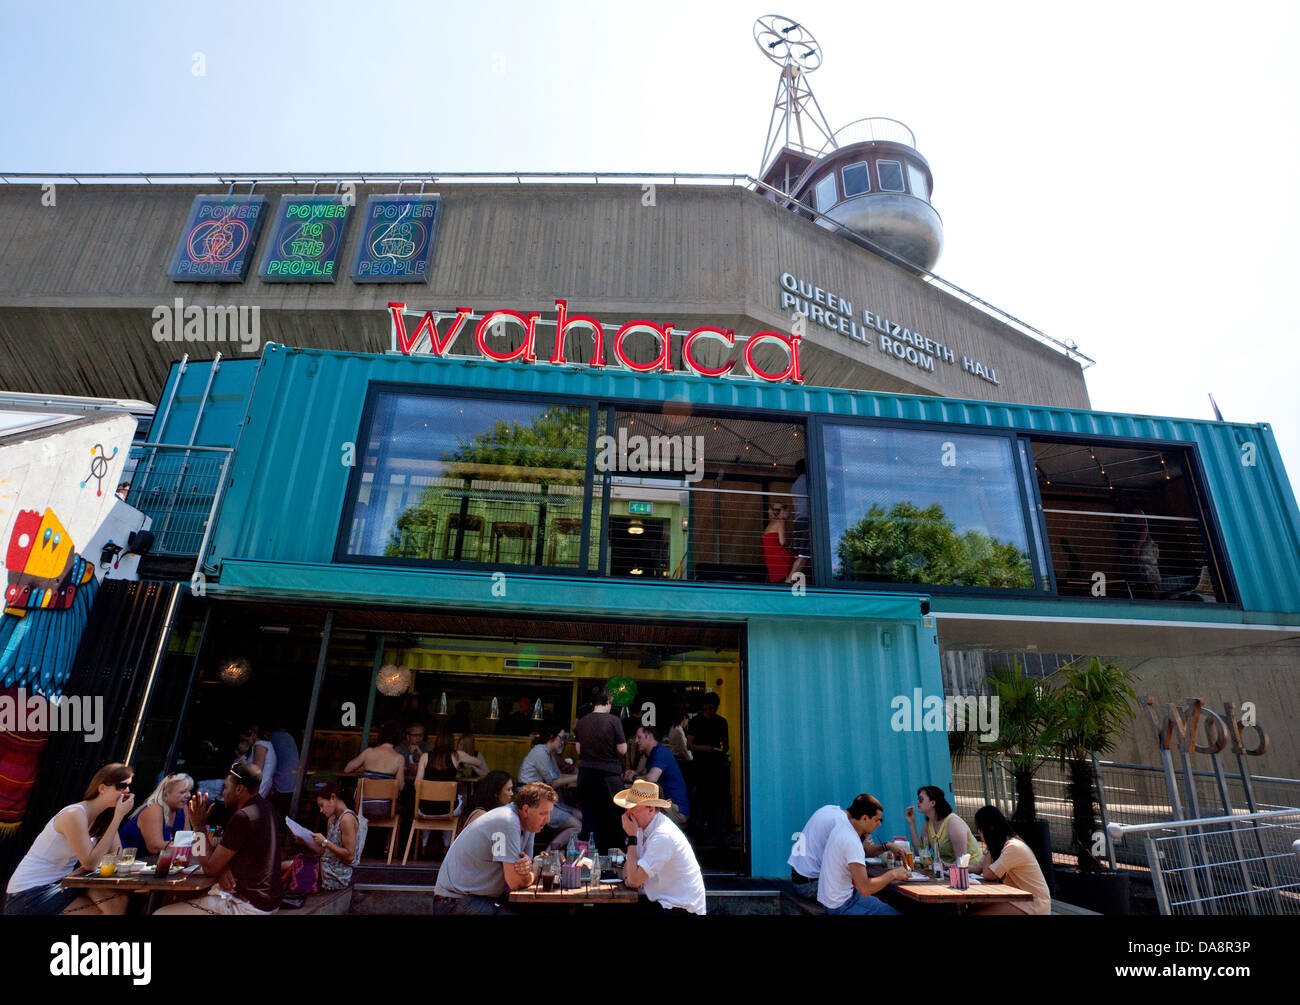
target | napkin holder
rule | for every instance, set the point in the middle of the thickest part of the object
(959, 877)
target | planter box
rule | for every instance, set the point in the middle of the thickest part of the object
(1103, 892)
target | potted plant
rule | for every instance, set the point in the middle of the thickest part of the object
(1095, 703)
(1028, 722)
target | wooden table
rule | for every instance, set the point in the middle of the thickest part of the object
(189, 880)
(938, 892)
(606, 893)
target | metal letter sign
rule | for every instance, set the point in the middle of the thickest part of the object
(306, 238)
(217, 243)
(396, 239)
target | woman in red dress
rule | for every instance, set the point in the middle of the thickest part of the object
(780, 560)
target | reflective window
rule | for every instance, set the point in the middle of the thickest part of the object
(825, 193)
(916, 179)
(856, 181)
(890, 174)
(472, 480)
(1124, 522)
(933, 507)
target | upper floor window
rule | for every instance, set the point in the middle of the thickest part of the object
(825, 194)
(916, 179)
(856, 181)
(890, 174)
(921, 506)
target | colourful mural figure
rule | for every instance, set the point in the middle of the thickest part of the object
(48, 597)
(98, 467)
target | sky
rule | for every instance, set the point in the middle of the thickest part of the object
(1118, 174)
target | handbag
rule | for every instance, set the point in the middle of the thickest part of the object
(304, 874)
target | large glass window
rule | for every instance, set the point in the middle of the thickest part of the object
(890, 174)
(856, 181)
(472, 480)
(1123, 522)
(825, 194)
(933, 507)
(916, 178)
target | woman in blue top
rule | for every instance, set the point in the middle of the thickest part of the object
(163, 814)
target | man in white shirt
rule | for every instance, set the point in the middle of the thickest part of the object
(844, 886)
(806, 859)
(662, 864)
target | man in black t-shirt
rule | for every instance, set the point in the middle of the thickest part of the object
(246, 863)
(601, 746)
(706, 736)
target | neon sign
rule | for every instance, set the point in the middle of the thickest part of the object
(305, 239)
(217, 243)
(427, 339)
(398, 233)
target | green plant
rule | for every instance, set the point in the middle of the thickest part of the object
(1095, 704)
(1028, 722)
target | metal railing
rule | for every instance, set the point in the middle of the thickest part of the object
(179, 488)
(425, 178)
(1229, 865)
(876, 128)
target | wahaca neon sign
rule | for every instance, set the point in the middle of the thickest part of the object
(427, 338)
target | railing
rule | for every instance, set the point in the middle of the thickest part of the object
(1228, 865)
(424, 178)
(877, 129)
(179, 488)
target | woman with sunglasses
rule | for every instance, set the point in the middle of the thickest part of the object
(82, 833)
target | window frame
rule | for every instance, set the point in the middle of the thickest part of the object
(866, 174)
(909, 169)
(817, 201)
(902, 176)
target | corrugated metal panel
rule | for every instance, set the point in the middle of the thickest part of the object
(289, 481)
(820, 725)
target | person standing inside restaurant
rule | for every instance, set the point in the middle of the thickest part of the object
(1010, 860)
(707, 738)
(79, 834)
(806, 858)
(661, 768)
(661, 864)
(942, 829)
(246, 862)
(843, 887)
(150, 827)
(493, 855)
(262, 756)
(541, 765)
(601, 747)
(285, 773)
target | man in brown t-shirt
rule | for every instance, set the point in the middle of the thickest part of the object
(247, 861)
(601, 745)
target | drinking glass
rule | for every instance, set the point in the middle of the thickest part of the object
(108, 864)
(126, 856)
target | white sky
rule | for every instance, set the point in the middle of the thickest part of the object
(1120, 174)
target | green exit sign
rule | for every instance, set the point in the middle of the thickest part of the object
(643, 508)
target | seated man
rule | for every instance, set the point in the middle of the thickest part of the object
(662, 769)
(661, 864)
(539, 765)
(806, 859)
(247, 861)
(843, 886)
(494, 854)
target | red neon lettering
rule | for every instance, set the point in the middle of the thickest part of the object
(727, 335)
(525, 350)
(660, 362)
(562, 327)
(791, 346)
(427, 326)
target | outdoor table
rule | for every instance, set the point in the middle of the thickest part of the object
(189, 880)
(938, 892)
(606, 893)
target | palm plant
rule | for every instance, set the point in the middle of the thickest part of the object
(1028, 722)
(1095, 705)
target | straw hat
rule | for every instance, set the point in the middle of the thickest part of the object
(642, 793)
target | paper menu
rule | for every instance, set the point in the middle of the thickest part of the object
(298, 830)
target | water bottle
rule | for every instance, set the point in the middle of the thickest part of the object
(938, 861)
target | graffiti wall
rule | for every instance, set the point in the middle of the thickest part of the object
(58, 510)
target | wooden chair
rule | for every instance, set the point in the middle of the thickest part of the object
(381, 788)
(435, 792)
(563, 527)
(503, 530)
(473, 525)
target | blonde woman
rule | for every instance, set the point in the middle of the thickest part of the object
(163, 814)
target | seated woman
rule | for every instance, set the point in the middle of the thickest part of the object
(1010, 860)
(340, 846)
(439, 765)
(163, 814)
(79, 834)
(497, 789)
(942, 827)
(381, 762)
(468, 761)
(782, 563)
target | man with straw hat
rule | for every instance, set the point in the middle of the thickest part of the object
(661, 864)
